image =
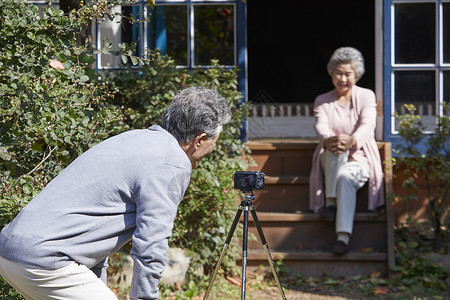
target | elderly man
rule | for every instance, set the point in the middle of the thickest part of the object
(126, 188)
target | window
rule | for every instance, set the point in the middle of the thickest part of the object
(214, 34)
(191, 32)
(168, 30)
(417, 64)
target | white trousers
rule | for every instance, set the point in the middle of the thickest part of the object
(74, 281)
(342, 180)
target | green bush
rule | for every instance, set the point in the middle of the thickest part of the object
(53, 108)
(415, 270)
(427, 156)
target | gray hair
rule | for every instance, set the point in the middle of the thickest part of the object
(347, 55)
(195, 110)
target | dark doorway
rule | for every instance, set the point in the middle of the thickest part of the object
(290, 43)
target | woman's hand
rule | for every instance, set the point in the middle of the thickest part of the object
(340, 143)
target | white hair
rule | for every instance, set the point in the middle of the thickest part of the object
(196, 110)
(347, 55)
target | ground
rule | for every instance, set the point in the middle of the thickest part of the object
(262, 286)
(315, 289)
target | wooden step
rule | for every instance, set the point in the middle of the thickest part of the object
(282, 159)
(272, 180)
(283, 194)
(298, 217)
(320, 263)
(256, 254)
(290, 231)
(291, 194)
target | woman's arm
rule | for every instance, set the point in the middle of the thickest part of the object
(321, 126)
(367, 118)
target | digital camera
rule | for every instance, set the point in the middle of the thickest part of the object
(248, 180)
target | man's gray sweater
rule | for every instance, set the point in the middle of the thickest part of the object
(127, 187)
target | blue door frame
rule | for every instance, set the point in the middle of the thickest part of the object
(241, 55)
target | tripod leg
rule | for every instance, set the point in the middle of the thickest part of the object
(224, 249)
(266, 249)
(244, 252)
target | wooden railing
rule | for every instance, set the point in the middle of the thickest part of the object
(296, 120)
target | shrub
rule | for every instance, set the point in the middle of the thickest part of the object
(427, 156)
(417, 271)
(53, 108)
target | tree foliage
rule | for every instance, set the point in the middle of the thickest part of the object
(51, 107)
(54, 106)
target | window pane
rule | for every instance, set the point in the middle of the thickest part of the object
(122, 28)
(214, 34)
(130, 29)
(446, 31)
(415, 33)
(167, 31)
(418, 88)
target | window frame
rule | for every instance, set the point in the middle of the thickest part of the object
(190, 5)
(390, 66)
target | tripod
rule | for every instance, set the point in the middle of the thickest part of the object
(245, 206)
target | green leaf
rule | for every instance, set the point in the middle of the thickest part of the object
(87, 59)
(27, 189)
(122, 46)
(4, 155)
(331, 281)
(124, 59)
(413, 244)
(85, 121)
(36, 146)
(106, 44)
(151, 3)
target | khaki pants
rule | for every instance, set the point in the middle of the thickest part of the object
(342, 180)
(74, 281)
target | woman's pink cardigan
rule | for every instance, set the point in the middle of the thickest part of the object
(363, 118)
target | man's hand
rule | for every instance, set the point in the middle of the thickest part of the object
(340, 143)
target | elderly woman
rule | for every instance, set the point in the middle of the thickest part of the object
(347, 155)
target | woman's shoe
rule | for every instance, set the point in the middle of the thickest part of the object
(340, 247)
(328, 213)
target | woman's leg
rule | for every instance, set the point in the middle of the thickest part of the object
(331, 164)
(350, 179)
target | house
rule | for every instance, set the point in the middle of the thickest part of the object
(281, 49)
